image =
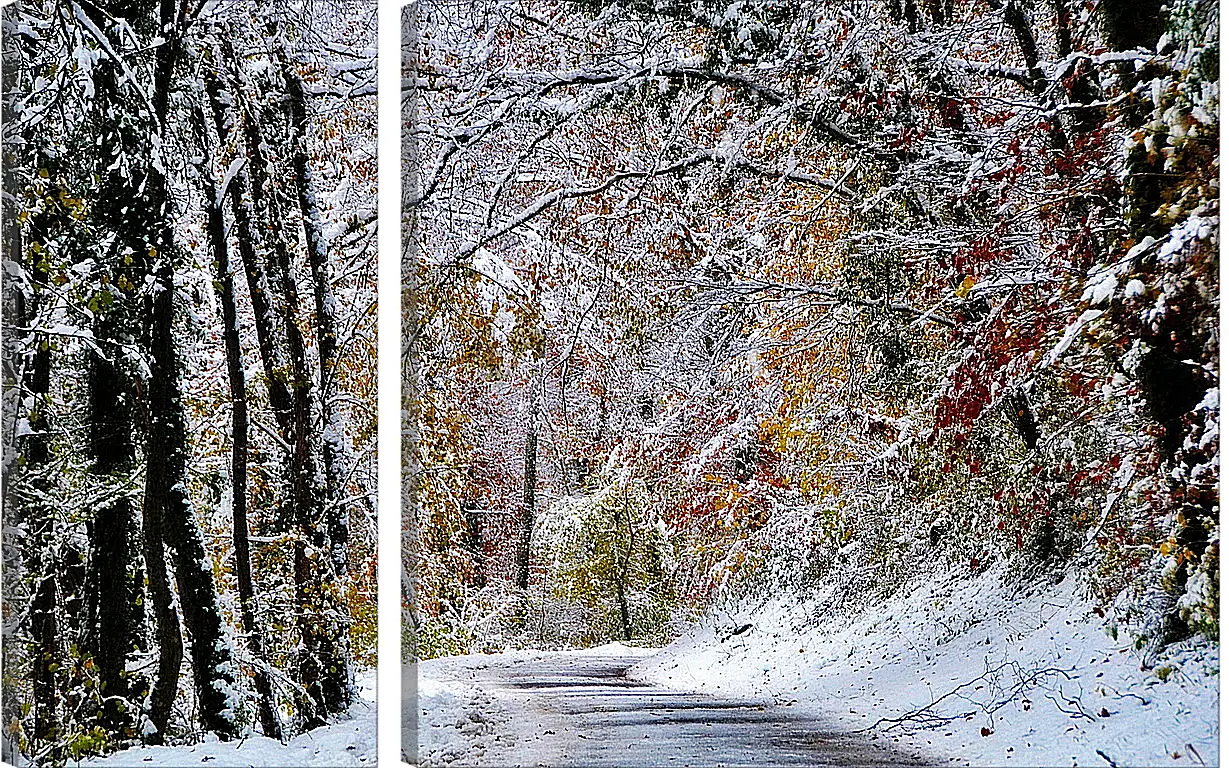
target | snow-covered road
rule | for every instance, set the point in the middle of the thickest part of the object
(579, 708)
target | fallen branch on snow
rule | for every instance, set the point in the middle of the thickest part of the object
(1000, 696)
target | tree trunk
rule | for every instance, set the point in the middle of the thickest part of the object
(1021, 415)
(321, 620)
(242, 193)
(114, 633)
(473, 542)
(168, 511)
(45, 650)
(166, 491)
(337, 463)
(290, 390)
(166, 500)
(1080, 85)
(34, 381)
(109, 595)
(1133, 23)
(623, 563)
(339, 688)
(1022, 28)
(528, 496)
(224, 285)
(111, 424)
(166, 624)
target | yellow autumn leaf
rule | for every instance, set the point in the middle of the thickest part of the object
(965, 286)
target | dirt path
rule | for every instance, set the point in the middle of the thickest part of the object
(568, 710)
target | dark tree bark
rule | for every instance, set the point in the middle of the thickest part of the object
(166, 493)
(166, 624)
(274, 300)
(111, 535)
(144, 227)
(32, 379)
(323, 668)
(242, 194)
(166, 499)
(323, 664)
(111, 419)
(336, 461)
(45, 650)
(1022, 28)
(1081, 85)
(1133, 23)
(623, 561)
(131, 203)
(224, 285)
(528, 497)
(1020, 413)
(473, 542)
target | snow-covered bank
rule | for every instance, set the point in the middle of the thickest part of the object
(971, 671)
(344, 743)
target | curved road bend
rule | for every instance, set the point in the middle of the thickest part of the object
(579, 710)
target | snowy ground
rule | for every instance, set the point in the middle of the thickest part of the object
(970, 671)
(458, 721)
(998, 677)
(344, 743)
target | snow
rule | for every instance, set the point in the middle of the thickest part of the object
(1005, 677)
(1070, 335)
(1210, 401)
(1101, 287)
(463, 723)
(343, 743)
(1193, 228)
(615, 649)
(458, 722)
(232, 170)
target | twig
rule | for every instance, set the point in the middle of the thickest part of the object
(1078, 710)
(926, 716)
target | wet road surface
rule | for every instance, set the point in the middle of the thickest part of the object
(582, 710)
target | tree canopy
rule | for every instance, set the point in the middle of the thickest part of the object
(836, 292)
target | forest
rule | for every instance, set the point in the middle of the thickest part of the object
(719, 298)
(189, 372)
